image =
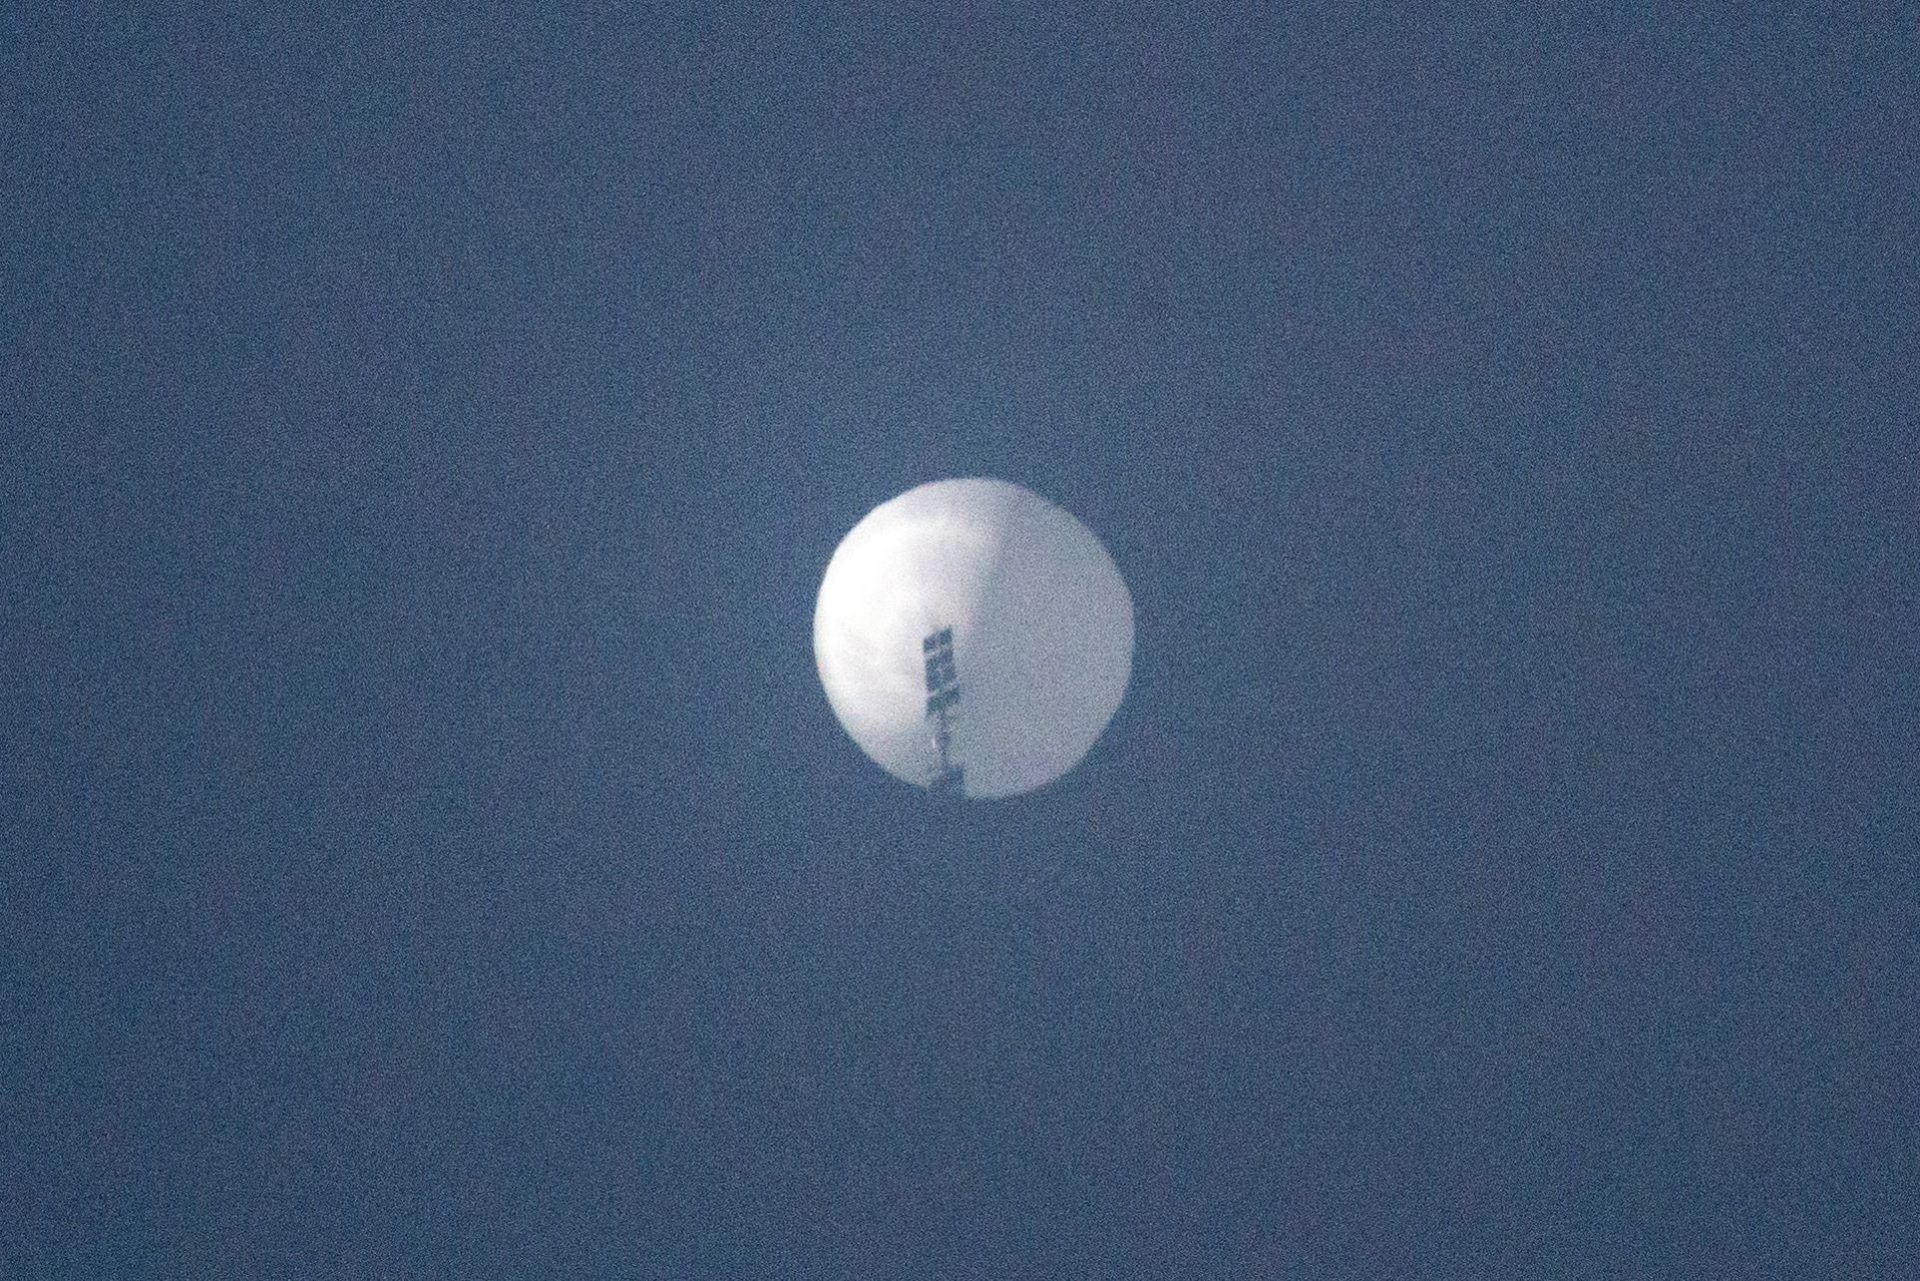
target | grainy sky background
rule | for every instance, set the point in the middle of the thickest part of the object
(427, 851)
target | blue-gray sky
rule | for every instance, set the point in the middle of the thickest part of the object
(426, 848)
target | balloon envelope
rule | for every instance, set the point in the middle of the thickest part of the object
(1042, 634)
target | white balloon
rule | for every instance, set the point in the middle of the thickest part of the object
(1042, 634)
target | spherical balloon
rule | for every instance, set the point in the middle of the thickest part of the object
(972, 636)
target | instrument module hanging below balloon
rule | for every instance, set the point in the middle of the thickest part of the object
(943, 695)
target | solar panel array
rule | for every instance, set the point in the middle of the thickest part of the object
(943, 679)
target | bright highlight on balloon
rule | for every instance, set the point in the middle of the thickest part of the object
(972, 637)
